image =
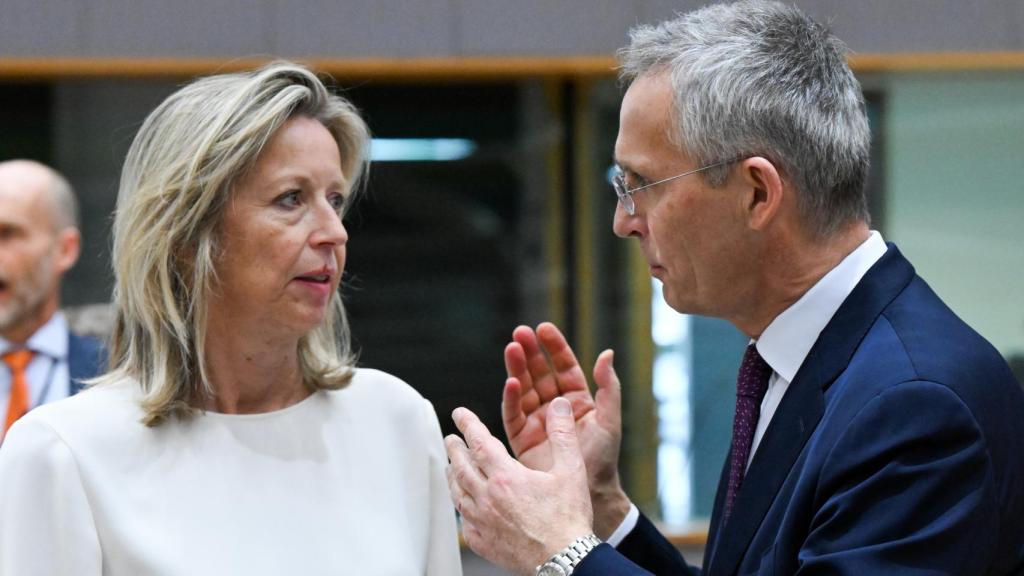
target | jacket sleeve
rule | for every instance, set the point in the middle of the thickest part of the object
(643, 551)
(46, 524)
(907, 488)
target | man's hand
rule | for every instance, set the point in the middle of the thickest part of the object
(534, 382)
(511, 515)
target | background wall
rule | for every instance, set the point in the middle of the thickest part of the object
(398, 28)
(956, 201)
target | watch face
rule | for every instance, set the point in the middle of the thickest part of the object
(551, 569)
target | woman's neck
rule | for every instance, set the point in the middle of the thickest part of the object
(251, 373)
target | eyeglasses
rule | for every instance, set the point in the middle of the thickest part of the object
(626, 194)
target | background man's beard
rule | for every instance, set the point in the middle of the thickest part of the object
(27, 297)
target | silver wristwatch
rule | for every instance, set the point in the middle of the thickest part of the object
(564, 562)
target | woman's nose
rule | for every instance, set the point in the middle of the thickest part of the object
(330, 226)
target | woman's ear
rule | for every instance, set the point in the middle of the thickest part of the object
(765, 192)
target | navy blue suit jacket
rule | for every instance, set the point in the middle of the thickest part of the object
(86, 358)
(897, 449)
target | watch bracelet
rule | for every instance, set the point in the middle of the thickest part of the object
(570, 556)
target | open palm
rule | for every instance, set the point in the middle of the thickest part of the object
(541, 367)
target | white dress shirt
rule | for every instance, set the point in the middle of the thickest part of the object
(785, 343)
(47, 373)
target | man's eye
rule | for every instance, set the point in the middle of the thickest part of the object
(633, 181)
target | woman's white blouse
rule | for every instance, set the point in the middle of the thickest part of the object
(344, 482)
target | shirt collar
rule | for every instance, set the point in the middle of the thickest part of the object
(785, 343)
(51, 339)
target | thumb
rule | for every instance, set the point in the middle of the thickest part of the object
(561, 429)
(609, 392)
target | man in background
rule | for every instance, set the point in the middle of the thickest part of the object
(875, 432)
(41, 360)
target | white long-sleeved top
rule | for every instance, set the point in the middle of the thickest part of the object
(343, 482)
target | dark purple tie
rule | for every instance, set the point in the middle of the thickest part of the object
(751, 385)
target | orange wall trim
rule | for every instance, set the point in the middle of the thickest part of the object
(394, 69)
(450, 69)
(937, 62)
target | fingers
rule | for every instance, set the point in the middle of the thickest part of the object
(543, 379)
(525, 337)
(546, 368)
(561, 429)
(516, 367)
(485, 451)
(512, 415)
(464, 478)
(569, 376)
(609, 391)
(515, 355)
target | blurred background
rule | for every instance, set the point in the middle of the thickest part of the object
(489, 203)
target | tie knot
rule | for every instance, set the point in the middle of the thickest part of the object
(18, 360)
(754, 374)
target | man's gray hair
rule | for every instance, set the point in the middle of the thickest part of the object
(761, 78)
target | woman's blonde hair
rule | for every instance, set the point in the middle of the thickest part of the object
(175, 184)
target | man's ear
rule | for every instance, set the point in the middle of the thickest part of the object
(765, 191)
(69, 246)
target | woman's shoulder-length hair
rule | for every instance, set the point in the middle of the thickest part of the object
(175, 184)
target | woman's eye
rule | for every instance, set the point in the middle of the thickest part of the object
(337, 201)
(288, 199)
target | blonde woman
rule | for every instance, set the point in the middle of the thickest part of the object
(232, 434)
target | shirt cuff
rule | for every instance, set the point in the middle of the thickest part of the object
(627, 525)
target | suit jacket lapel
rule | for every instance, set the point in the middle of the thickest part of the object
(800, 410)
(714, 529)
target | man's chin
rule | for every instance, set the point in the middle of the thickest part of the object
(6, 322)
(15, 314)
(674, 302)
(683, 303)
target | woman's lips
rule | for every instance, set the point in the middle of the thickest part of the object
(319, 285)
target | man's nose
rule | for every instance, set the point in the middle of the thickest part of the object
(625, 225)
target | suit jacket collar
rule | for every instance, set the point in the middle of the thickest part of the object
(800, 410)
(86, 359)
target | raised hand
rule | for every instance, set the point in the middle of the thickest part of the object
(512, 515)
(541, 366)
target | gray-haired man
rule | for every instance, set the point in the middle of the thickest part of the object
(875, 432)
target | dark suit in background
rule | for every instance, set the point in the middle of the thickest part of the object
(86, 358)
